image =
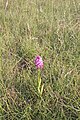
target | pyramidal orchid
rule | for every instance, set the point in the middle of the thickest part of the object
(38, 62)
(39, 65)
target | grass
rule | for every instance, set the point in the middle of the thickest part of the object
(50, 28)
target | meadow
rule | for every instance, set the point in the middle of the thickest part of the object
(51, 29)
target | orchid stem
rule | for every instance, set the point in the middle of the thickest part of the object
(40, 88)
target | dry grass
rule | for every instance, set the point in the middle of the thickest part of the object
(50, 28)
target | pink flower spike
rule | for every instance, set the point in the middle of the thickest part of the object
(38, 62)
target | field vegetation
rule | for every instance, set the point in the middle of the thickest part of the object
(51, 29)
